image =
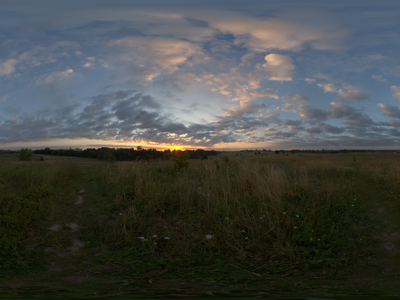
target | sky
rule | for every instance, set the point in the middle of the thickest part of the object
(205, 74)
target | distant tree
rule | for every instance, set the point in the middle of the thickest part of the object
(204, 157)
(41, 158)
(109, 157)
(25, 154)
(276, 151)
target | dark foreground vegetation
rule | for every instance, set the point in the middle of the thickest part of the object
(234, 225)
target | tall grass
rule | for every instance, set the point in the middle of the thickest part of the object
(254, 210)
(26, 190)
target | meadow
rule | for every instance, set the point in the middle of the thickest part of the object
(234, 225)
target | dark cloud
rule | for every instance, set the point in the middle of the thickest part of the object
(125, 115)
(390, 110)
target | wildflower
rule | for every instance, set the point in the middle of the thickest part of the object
(120, 214)
(352, 205)
(166, 238)
(295, 227)
(209, 236)
(297, 216)
(154, 235)
(311, 239)
(227, 218)
(155, 243)
(246, 237)
(243, 230)
(141, 237)
(284, 213)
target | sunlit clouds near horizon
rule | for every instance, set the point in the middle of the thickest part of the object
(220, 74)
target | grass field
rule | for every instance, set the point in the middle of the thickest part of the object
(249, 225)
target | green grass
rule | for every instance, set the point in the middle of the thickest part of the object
(274, 223)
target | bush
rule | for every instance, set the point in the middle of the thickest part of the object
(41, 158)
(25, 154)
(109, 157)
(180, 158)
(204, 157)
(225, 159)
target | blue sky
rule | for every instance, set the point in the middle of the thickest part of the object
(208, 74)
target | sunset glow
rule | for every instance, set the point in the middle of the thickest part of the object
(226, 75)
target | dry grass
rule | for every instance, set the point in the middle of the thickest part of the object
(256, 208)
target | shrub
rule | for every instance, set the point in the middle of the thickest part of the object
(25, 154)
(41, 158)
(225, 159)
(180, 159)
(109, 157)
(204, 157)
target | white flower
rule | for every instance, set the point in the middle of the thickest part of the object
(141, 237)
(297, 216)
(154, 235)
(227, 218)
(295, 227)
(166, 238)
(243, 230)
(284, 212)
(246, 237)
(209, 236)
(120, 214)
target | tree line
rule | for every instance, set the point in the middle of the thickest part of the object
(126, 154)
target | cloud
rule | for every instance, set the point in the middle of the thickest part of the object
(7, 67)
(340, 110)
(55, 77)
(167, 53)
(353, 93)
(330, 87)
(378, 78)
(348, 91)
(267, 34)
(177, 26)
(264, 93)
(308, 112)
(130, 116)
(396, 91)
(390, 110)
(279, 67)
(310, 80)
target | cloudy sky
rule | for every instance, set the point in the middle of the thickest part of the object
(200, 74)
